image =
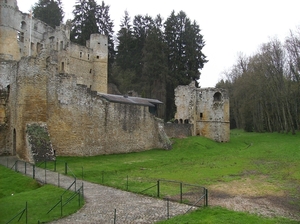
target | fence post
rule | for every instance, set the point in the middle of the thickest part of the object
(45, 176)
(180, 192)
(79, 197)
(55, 165)
(61, 207)
(115, 216)
(168, 208)
(58, 183)
(26, 214)
(82, 172)
(66, 168)
(82, 191)
(25, 167)
(206, 197)
(158, 188)
(33, 171)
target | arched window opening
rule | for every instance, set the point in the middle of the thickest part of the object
(23, 25)
(180, 121)
(217, 96)
(186, 121)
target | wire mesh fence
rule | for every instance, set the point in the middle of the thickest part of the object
(172, 194)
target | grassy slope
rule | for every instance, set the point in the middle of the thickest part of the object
(16, 190)
(197, 160)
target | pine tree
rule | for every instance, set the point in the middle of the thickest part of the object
(84, 23)
(49, 11)
(184, 52)
(155, 67)
(125, 44)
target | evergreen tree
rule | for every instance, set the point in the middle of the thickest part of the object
(49, 11)
(84, 22)
(123, 74)
(141, 27)
(125, 44)
(184, 52)
(155, 67)
(105, 25)
(89, 18)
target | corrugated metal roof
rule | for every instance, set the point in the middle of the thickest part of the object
(131, 100)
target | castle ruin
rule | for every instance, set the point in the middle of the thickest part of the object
(48, 80)
(206, 110)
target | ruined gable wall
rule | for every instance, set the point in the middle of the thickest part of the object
(185, 103)
(212, 117)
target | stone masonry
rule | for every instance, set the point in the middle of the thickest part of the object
(207, 109)
(45, 78)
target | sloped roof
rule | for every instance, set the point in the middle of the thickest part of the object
(131, 100)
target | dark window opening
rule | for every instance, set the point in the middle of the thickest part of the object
(90, 71)
(186, 121)
(20, 37)
(38, 47)
(97, 57)
(201, 115)
(80, 54)
(217, 96)
(180, 121)
(62, 66)
(88, 56)
(23, 25)
(61, 45)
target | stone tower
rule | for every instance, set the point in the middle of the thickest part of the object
(99, 44)
(11, 29)
(207, 109)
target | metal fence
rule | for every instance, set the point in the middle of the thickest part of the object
(170, 192)
(42, 175)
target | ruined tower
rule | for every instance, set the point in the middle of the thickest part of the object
(207, 109)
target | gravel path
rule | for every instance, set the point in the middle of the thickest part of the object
(103, 204)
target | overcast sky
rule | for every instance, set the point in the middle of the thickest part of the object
(228, 27)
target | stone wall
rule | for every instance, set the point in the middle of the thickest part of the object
(207, 109)
(174, 130)
(80, 122)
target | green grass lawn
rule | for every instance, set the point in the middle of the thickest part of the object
(16, 190)
(271, 158)
(218, 215)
